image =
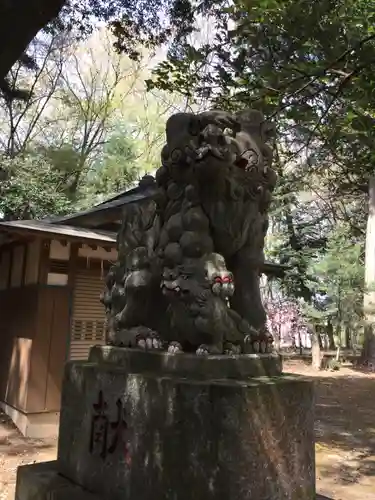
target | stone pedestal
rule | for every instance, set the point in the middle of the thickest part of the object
(154, 426)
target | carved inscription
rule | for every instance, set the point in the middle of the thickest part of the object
(105, 435)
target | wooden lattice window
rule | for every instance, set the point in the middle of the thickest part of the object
(58, 266)
(87, 330)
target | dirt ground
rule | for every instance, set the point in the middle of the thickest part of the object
(345, 431)
(16, 450)
(345, 437)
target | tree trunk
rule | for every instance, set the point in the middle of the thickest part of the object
(319, 338)
(338, 353)
(20, 21)
(368, 351)
(277, 338)
(330, 335)
(300, 342)
(315, 350)
(348, 338)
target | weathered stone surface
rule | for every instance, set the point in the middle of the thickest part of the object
(42, 482)
(210, 367)
(187, 439)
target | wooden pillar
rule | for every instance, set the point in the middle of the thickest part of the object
(73, 262)
(44, 261)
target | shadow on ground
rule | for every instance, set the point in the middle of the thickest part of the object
(345, 432)
(345, 411)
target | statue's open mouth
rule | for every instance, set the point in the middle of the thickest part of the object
(208, 150)
(243, 164)
(248, 160)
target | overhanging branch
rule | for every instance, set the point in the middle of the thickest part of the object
(20, 21)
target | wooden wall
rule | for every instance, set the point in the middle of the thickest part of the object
(49, 350)
(33, 331)
(17, 329)
(36, 288)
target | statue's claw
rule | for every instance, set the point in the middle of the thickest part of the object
(139, 337)
(141, 343)
(259, 344)
(256, 346)
(206, 349)
(263, 346)
(148, 340)
(203, 350)
(174, 348)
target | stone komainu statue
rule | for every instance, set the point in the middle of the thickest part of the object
(187, 276)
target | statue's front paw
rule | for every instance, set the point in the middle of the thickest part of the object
(259, 344)
(148, 340)
(251, 344)
(174, 347)
(203, 350)
(206, 349)
(139, 337)
(232, 349)
(266, 342)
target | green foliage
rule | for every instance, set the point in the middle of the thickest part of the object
(338, 284)
(67, 162)
(115, 169)
(64, 158)
(90, 121)
(32, 188)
